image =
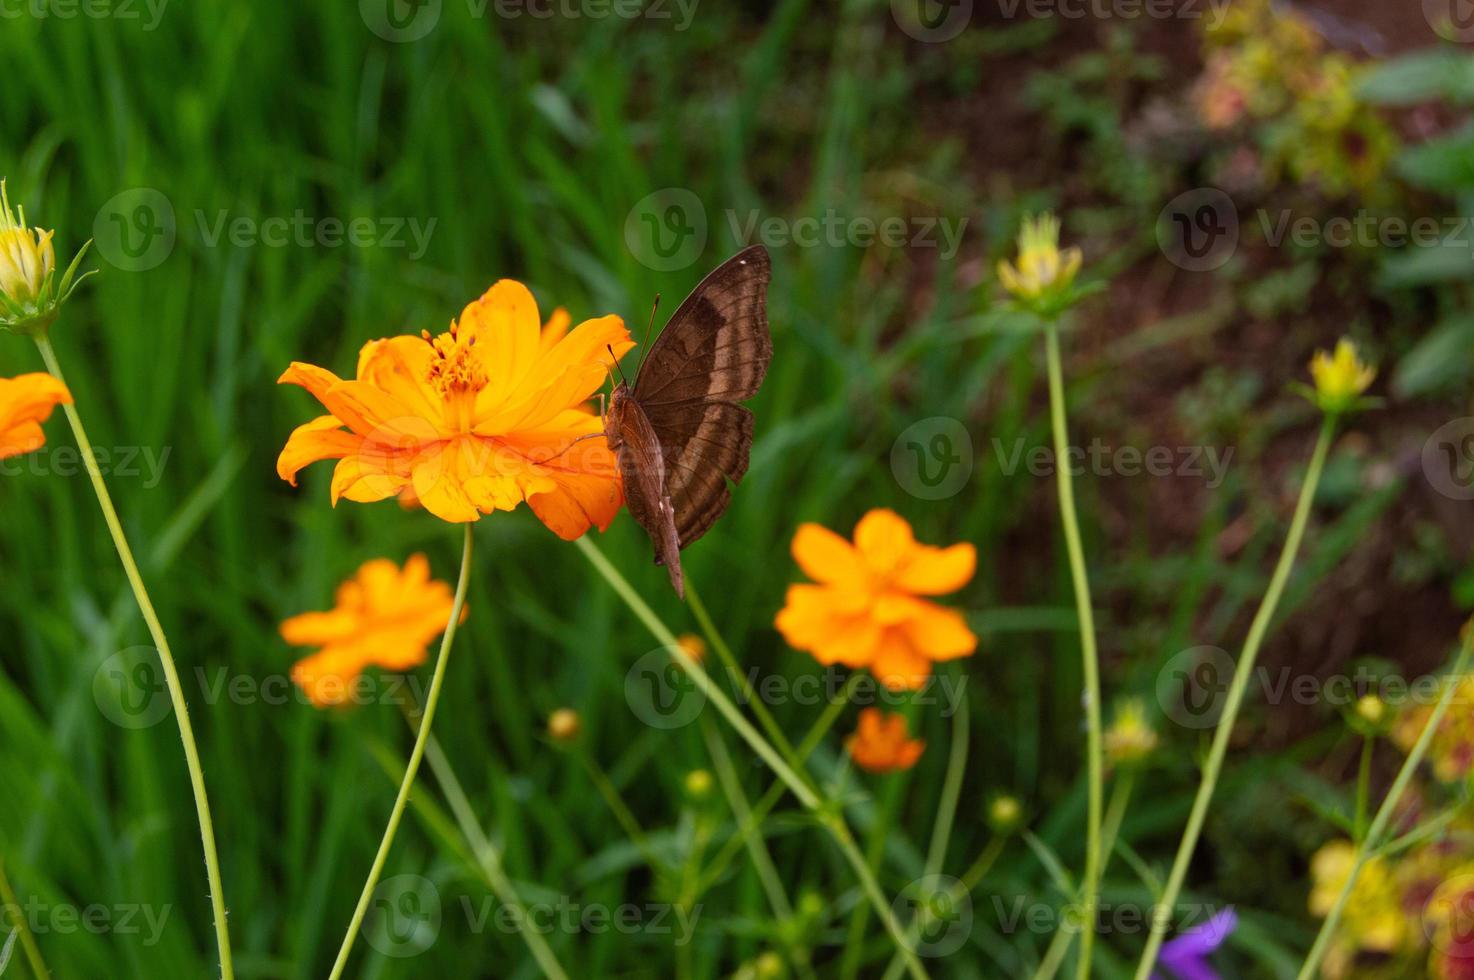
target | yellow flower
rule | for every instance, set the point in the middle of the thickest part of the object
(1005, 814)
(1130, 737)
(1340, 378)
(30, 296)
(882, 744)
(1451, 750)
(483, 417)
(866, 609)
(26, 402)
(1373, 919)
(694, 646)
(384, 617)
(1043, 270)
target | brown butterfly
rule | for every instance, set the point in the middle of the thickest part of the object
(679, 434)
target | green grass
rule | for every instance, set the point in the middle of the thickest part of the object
(528, 143)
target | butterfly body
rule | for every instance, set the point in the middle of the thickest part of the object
(679, 433)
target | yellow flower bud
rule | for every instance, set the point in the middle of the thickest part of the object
(1131, 737)
(1044, 273)
(1340, 378)
(1005, 813)
(564, 725)
(30, 295)
(694, 646)
(698, 784)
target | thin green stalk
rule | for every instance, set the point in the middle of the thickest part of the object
(827, 813)
(734, 670)
(166, 660)
(1059, 946)
(762, 861)
(936, 854)
(488, 858)
(810, 742)
(432, 699)
(1162, 915)
(621, 811)
(1363, 788)
(1389, 805)
(1094, 752)
(27, 941)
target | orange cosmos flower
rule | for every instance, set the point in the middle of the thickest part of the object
(882, 743)
(865, 612)
(385, 617)
(26, 402)
(475, 420)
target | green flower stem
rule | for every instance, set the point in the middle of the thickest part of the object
(1094, 753)
(1162, 915)
(1059, 946)
(27, 941)
(621, 811)
(1363, 788)
(488, 858)
(734, 670)
(742, 813)
(770, 799)
(432, 699)
(1368, 845)
(828, 814)
(166, 660)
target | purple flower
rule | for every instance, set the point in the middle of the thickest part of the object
(1186, 957)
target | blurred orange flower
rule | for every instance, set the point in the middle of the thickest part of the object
(478, 419)
(26, 402)
(882, 744)
(384, 617)
(865, 610)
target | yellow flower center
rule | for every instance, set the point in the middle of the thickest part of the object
(456, 374)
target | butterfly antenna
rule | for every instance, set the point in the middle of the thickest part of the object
(645, 344)
(615, 361)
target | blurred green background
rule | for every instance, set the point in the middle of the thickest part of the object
(528, 147)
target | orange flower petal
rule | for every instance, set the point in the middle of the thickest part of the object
(506, 326)
(940, 633)
(25, 402)
(322, 438)
(884, 540)
(398, 366)
(823, 555)
(898, 664)
(937, 571)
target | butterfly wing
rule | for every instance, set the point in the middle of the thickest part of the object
(713, 353)
(638, 452)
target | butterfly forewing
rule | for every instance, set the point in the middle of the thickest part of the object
(713, 353)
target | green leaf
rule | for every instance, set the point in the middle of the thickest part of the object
(1439, 360)
(1430, 75)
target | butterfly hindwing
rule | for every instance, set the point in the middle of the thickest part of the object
(713, 353)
